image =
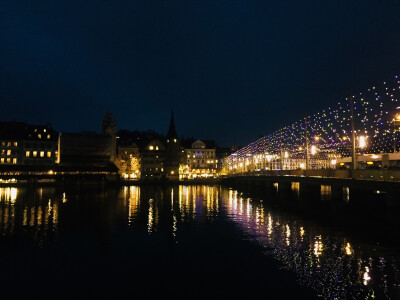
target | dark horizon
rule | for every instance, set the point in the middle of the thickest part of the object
(232, 70)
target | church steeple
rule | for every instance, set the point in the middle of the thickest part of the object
(172, 131)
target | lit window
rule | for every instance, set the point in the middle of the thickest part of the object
(151, 147)
(39, 136)
(8, 152)
(9, 144)
(156, 147)
(174, 140)
(44, 130)
(167, 141)
(48, 136)
(8, 160)
(2, 160)
(34, 153)
(14, 161)
(28, 154)
(48, 153)
(15, 144)
(41, 153)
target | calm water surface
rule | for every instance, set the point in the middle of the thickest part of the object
(185, 242)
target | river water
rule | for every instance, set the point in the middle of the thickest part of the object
(184, 242)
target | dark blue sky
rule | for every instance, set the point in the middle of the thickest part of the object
(232, 70)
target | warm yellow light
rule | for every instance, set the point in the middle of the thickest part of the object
(370, 162)
(349, 250)
(333, 162)
(286, 154)
(13, 194)
(362, 142)
(316, 138)
(27, 153)
(398, 117)
(313, 149)
(300, 148)
(48, 154)
(51, 172)
(172, 172)
(174, 140)
(375, 156)
(34, 153)
(342, 164)
(302, 166)
(151, 147)
(41, 153)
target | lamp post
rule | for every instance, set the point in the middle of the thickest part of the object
(396, 124)
(353, 136)
(307, 153)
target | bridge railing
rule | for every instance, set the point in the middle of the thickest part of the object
(380, 175)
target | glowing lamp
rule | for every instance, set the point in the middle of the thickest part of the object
(313, 150)
(362, 142)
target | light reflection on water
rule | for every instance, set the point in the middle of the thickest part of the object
(38, 218)
(327, 263)
(332, 265)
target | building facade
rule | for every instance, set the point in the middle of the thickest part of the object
(200, 160)
(128, 161)
(24, 144)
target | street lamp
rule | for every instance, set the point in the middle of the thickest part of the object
(362, 142)
(313, 150)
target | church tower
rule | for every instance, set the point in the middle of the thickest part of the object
(172, 155)
(109, 127)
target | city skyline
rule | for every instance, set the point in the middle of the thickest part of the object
(232, 71)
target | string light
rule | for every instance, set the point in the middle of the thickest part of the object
(375, 113)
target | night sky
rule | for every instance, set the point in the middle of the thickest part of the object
(232, 70)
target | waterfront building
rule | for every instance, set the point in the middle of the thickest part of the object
(152, 158)
(25, 144)
(128, 159)
(200, 160)
(89, 153)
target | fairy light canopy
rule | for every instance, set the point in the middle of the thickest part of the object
(376, 117)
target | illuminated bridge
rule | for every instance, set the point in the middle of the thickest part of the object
(325, 144)
(348, 149)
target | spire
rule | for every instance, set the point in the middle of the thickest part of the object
(172, 131)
